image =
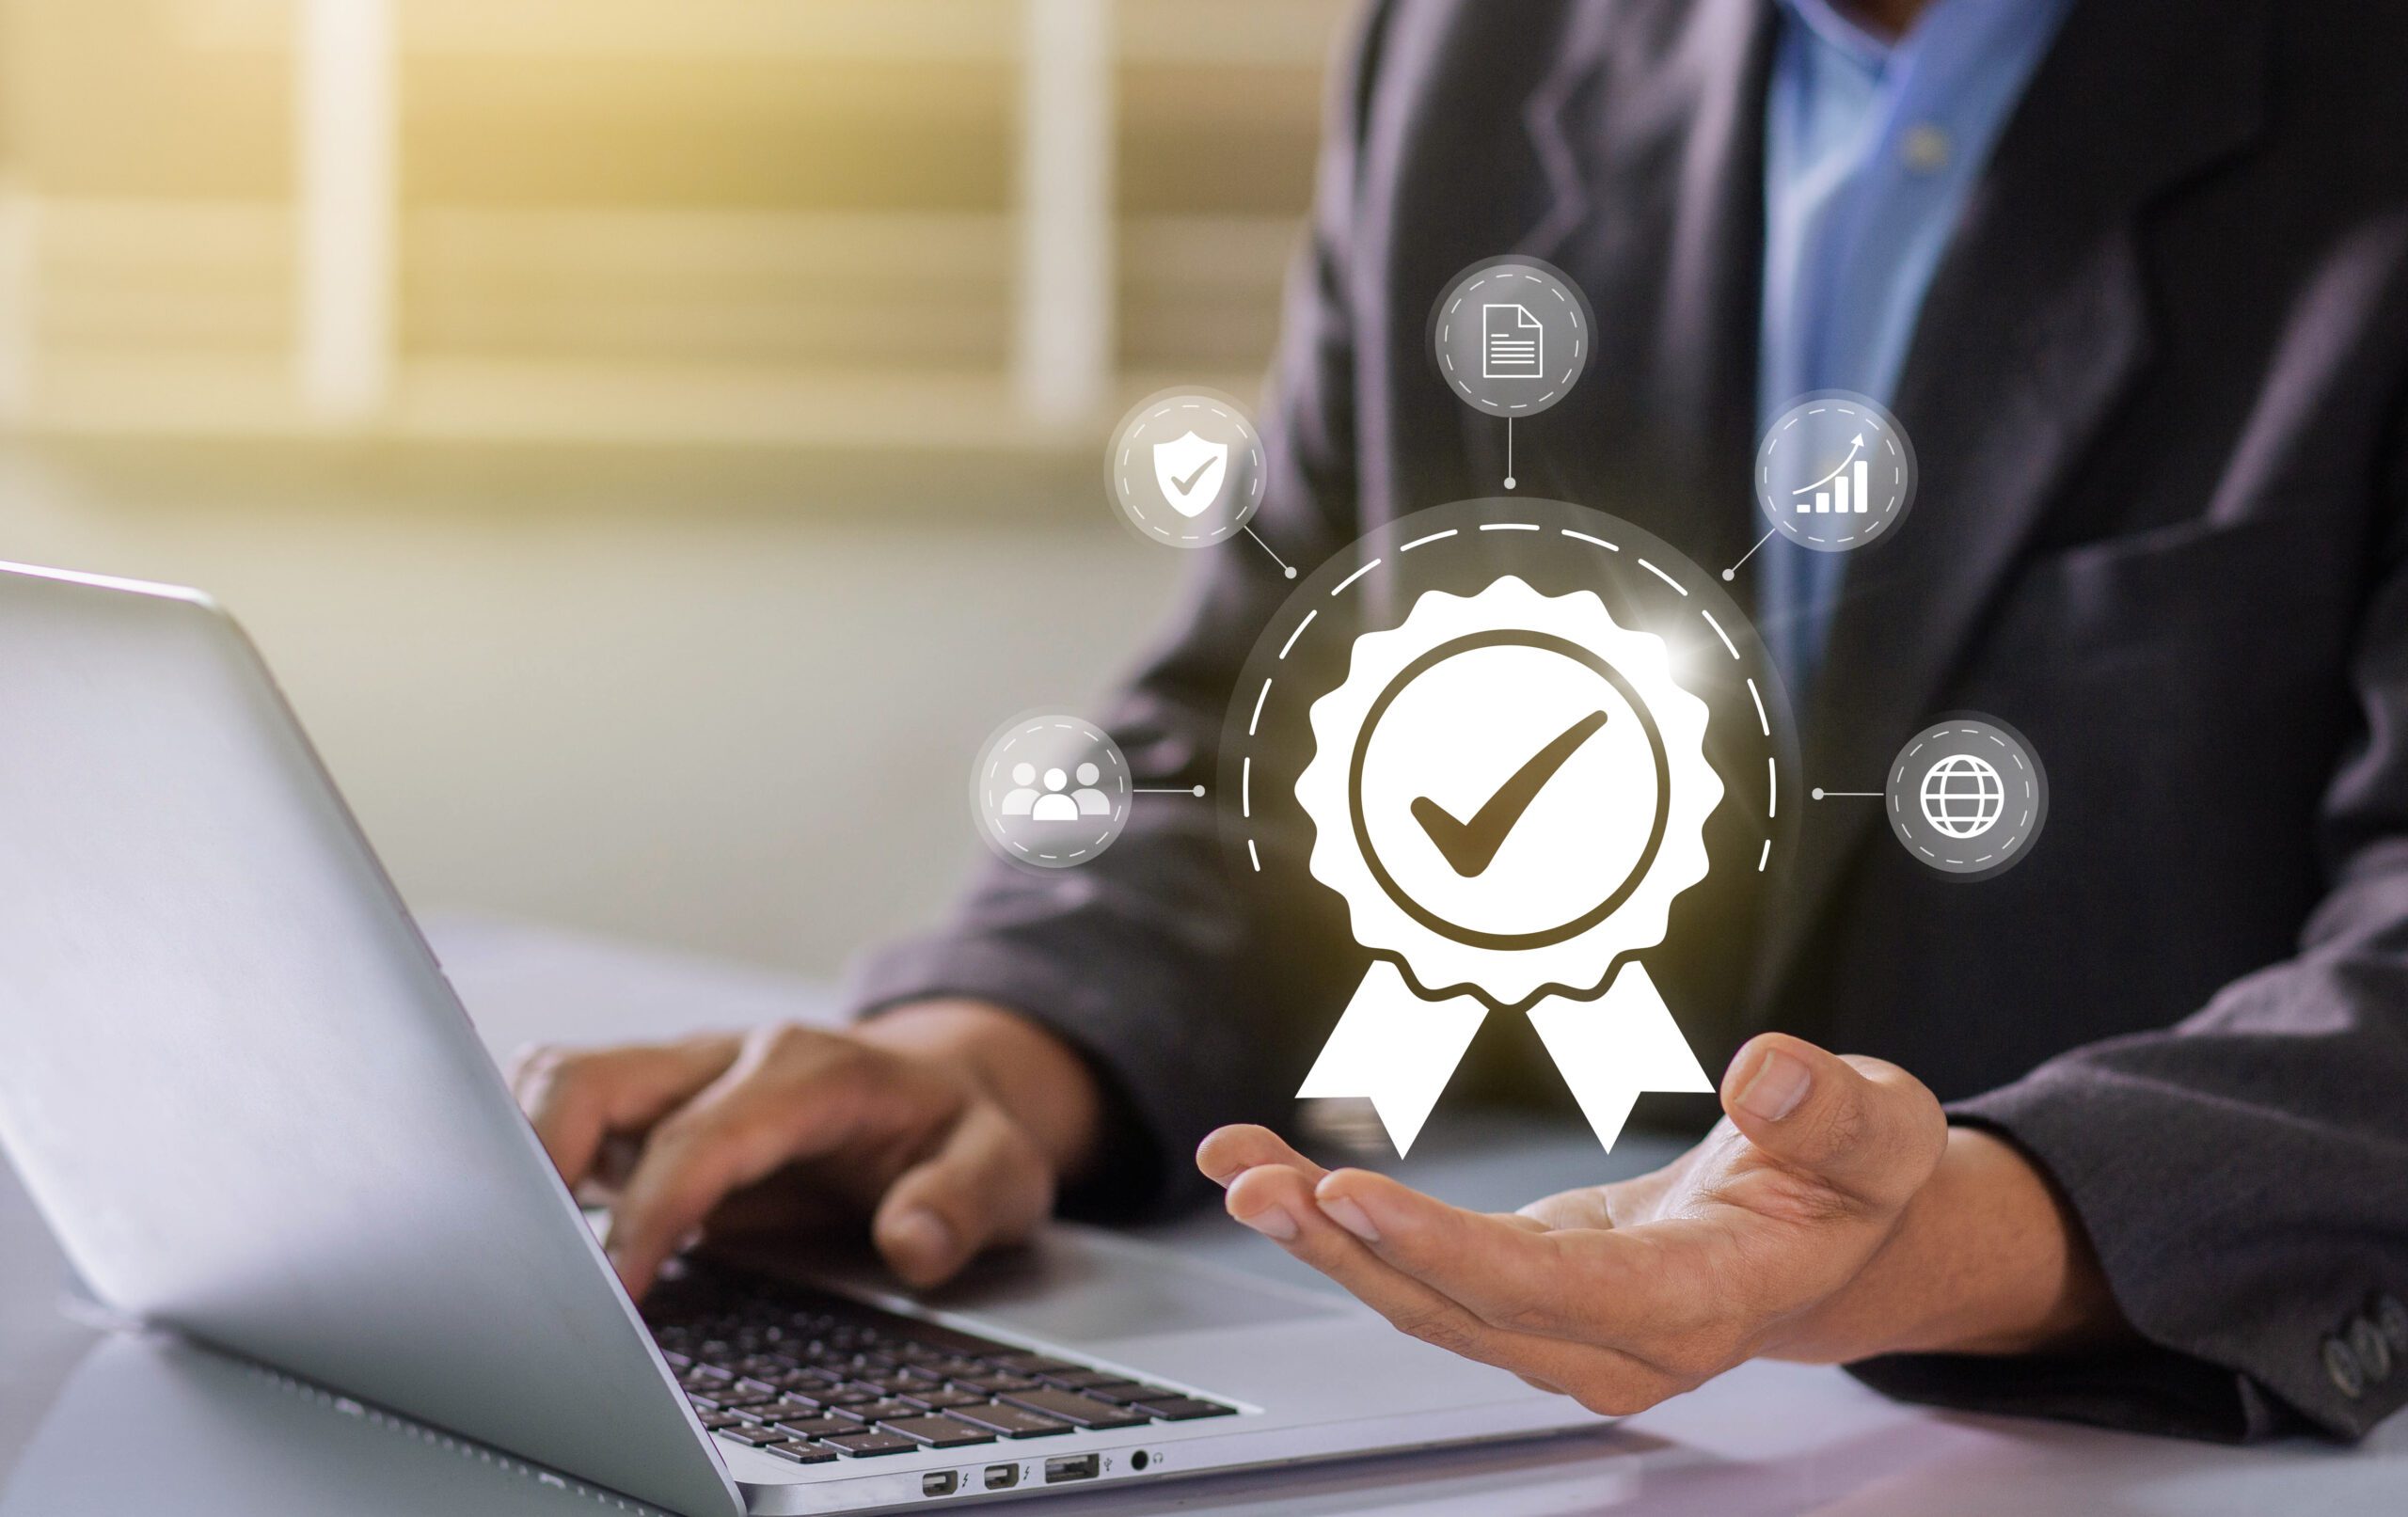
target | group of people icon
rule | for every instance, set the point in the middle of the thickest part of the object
(1051, 805)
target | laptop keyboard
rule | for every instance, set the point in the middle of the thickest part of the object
(814, 1378)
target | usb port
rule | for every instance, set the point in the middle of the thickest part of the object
(1001, 1477)
(1071, 1467)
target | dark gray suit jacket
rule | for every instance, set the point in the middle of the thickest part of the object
(2158, 392)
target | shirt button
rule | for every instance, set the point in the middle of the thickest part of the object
(2367, 1347)
(2341, 1368)
(2392, 1316)
(1925, 148)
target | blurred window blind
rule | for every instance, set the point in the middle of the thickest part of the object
(796, 223)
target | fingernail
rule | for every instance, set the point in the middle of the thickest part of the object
(1272, 1221)
(920, 1234)
(1344, 1213)
(1777, 1087)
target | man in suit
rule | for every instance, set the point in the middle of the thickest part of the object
(2135, 278)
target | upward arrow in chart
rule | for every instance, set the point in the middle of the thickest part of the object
(1854, 449)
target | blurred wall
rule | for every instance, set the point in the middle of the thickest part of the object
(742, 725)
(678, 520)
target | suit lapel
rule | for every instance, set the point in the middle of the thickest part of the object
(2034, 328)
(1650, 133)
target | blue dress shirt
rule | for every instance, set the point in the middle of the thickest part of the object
(1871, 148)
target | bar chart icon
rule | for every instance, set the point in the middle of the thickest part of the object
(1845, 491)
(1834, 471)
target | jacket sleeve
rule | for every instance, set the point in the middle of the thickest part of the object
(2244, 1174)
(1146, 959)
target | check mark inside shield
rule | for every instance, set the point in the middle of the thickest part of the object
(1191, 472)
(1471, 846)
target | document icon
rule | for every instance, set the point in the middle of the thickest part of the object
(1512, 343)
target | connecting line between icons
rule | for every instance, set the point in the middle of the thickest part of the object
(1820, 794)
(1745, 556)
(1285, 567)
(1198, 791)
(1509, 452)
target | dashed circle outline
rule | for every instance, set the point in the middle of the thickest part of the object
(1117, 464)
(1961, 864)
(1894, 437)
(991, 761)
(1470, 281)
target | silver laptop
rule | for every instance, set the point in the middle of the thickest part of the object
(237, 1085)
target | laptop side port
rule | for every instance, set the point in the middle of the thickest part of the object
(1001, 1477)
(940, 1483)
(1062, 1467)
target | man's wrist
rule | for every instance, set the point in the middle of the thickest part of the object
(1991, 1258)
(1040, 1080)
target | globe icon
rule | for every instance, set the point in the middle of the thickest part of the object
(1963, 795)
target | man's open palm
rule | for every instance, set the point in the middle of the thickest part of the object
(1623, 1294)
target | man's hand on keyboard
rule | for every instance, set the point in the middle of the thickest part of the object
(948, 1124)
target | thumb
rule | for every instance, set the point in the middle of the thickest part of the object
(1863, 1126)
(987, 1183)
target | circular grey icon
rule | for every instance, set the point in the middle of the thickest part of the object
(1512, 335)
(1835, 472)
(1186, 467)
(1051, 791)
(1967, 796)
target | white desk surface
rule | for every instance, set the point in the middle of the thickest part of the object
(93, 1425)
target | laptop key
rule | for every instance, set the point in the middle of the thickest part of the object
(884, 1410)
(847, 1394)
(802, 1453)
(863, 1444)
(1184, 1409)
(994, 1384)
(1123, 1392)
(944, 1399)
(767, 1367)
(1079, 1380)
(1032, 1364)
(819, 1426)
(754, 1433)
(1081, 1411)
(715, 1421)
(955, 1366)
(938, 1431)
(741, 1395)
(1010, 1421)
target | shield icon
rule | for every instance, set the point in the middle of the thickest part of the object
(1192, 472)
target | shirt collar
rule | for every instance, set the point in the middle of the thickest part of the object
(1834, 28)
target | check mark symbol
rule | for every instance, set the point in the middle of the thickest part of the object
(1188, 484)
(1471, 846)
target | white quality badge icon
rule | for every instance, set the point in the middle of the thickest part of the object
(1510, 790)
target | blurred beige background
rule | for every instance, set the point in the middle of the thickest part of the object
(655, 444)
